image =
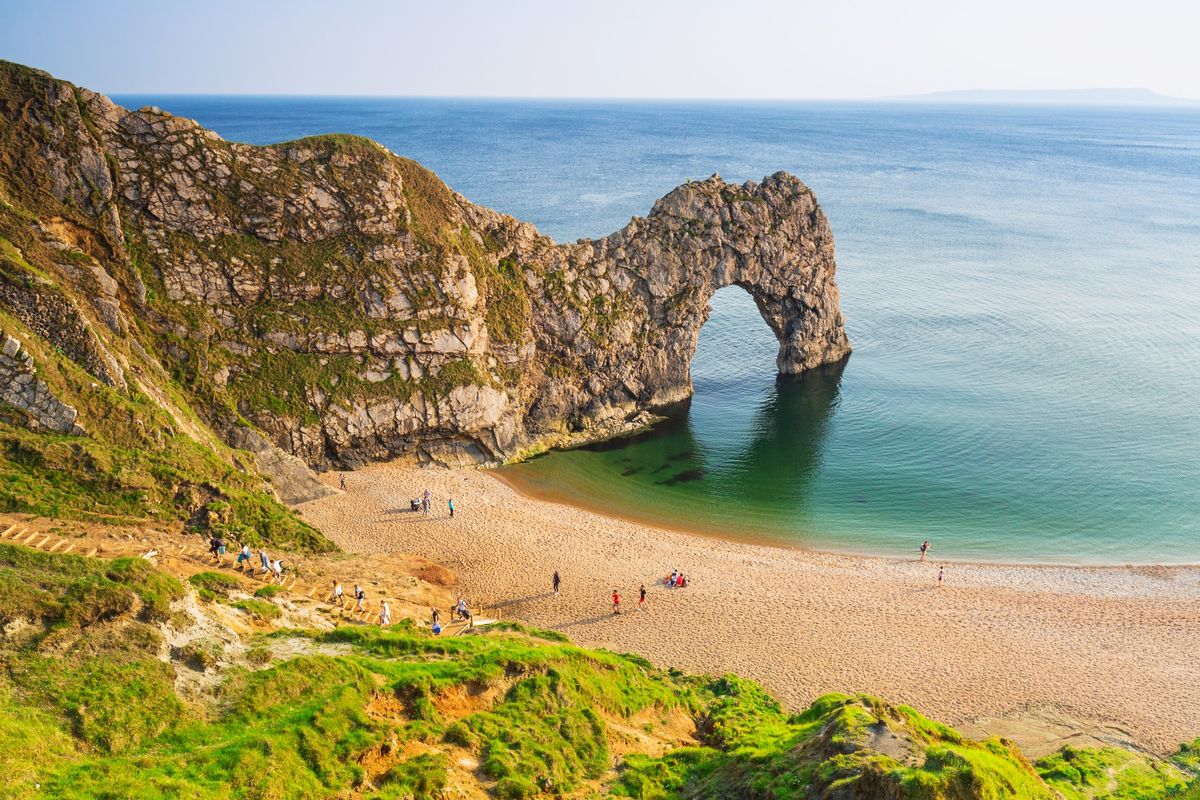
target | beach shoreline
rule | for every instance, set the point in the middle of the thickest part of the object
(525, 489)
(1110, 648)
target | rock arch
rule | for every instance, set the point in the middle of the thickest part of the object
(770, 238)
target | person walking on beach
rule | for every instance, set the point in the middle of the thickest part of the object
(360, 598)
(426, 501)
(342, 481)
(941, 575)
(642, 598)
(924, 549)
(385, 615)
(338, 596)
(450, 503)
(557, 582)
(616, 603)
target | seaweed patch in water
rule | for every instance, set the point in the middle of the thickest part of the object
(683, 477)
(683, 456)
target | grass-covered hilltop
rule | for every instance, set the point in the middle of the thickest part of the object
(119, 680)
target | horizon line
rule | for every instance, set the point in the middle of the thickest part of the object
(932, 98)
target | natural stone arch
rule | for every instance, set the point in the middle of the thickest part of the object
(769, 238)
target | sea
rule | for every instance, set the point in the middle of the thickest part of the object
(1021, 286)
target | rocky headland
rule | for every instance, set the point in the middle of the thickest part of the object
(342, 304)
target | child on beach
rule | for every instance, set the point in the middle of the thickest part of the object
(616, 603)
(941, 575)
(642, 598)
(426, 501)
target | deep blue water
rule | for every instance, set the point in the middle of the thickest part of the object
(1021, 286)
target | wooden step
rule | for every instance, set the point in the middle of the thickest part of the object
(7, 531)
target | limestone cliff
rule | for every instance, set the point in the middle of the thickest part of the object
(349, 306)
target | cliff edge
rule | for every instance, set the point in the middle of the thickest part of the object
(345, 304)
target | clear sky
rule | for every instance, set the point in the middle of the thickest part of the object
(608, 48)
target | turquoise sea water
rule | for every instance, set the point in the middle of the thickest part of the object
(1021, 286)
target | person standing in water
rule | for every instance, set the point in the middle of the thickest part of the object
(924, 549)
(450, 503)
(616, 603)
(642, 598)
(557, 582)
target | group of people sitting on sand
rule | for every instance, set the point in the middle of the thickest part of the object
(675, 580)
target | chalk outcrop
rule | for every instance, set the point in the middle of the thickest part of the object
(22, 390)
(345, 303)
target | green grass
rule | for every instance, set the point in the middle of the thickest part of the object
(261, 610)
(218, 583)
(89, 710)
(1109, 774)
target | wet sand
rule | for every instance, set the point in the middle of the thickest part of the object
(1112, 650)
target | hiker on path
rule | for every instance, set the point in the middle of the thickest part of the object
(557, 582)
(360, 598)
(437, 618)
(338, 594)
(616, 603)
(385, 615)
(450, 503)
(264, 561)
(277, 569)
(464, 613)
(924, 549)
(243, 556)
(219, 546)
(642, 598)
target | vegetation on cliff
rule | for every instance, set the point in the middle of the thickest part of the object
(91, 708)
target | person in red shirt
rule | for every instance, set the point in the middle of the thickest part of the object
(616, 603)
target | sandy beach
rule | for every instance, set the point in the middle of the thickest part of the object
(1043, 654)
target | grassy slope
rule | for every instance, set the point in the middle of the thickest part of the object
(89, 710)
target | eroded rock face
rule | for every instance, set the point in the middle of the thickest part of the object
(351, 307)
(22, 390)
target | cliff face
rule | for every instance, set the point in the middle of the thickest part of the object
(347, 304)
